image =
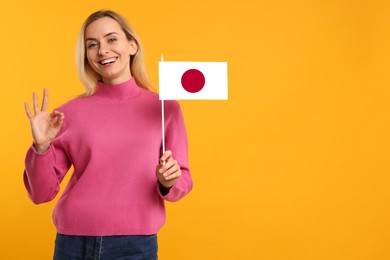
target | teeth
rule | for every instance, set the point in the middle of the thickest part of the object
(108, 61)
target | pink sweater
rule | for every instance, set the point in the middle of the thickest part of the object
(113, 141)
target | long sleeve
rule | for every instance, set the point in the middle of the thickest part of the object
(113, 141)
(176, 141)
(44, 172)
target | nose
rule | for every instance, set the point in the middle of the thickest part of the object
(103, 49)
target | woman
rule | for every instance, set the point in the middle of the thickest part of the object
(113, 205)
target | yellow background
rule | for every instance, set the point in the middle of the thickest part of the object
(295, 165)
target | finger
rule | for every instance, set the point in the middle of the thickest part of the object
(174, 175)
(59, 116)
(56, 113)
(165, 156)
(35, 103)
(59, 121)
(45, 101)
(171, 172)
(171, 169)
(27, 109)
(167, 166)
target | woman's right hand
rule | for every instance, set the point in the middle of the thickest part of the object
(44, 126)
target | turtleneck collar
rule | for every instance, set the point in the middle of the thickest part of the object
(122, 91)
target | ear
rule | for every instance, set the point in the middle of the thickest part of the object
(133, 47)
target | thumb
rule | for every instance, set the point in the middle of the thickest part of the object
(162, 162)
(165, 157)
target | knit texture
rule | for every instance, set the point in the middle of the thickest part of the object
(113, 141)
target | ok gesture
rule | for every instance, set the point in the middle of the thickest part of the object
(44, 126)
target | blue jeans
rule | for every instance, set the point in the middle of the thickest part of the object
(106, 248)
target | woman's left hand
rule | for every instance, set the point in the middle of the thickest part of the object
(168, 170)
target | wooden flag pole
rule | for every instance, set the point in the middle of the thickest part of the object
(163, 119)
(163, 126)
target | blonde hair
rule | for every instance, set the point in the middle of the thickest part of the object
(88, 76)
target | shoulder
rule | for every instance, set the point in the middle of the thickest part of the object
(172, 106)
(73, 104)
(153, 99)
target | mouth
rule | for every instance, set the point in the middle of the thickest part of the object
(108, 61)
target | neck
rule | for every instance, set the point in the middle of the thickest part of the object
(116, 80)
(120, 91)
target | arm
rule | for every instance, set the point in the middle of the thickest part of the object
(44, 172)
(173, 171)
(46, 162)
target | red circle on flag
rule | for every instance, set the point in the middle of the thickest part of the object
(193, 80)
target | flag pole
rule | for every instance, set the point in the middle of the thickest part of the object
(162, 119)
(163, 127)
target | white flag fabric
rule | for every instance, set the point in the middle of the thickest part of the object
(193, 80)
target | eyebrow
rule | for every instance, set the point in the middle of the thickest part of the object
(108, 34)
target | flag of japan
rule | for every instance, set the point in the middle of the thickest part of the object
(193, 80)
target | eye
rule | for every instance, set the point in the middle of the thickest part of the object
(92, 45)
(112, 40)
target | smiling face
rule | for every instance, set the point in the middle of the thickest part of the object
(108, 50)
